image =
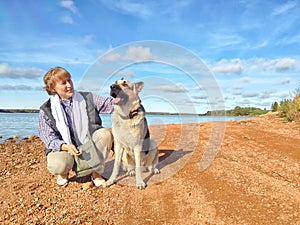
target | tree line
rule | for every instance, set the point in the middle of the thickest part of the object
(288, 108)
(19, 110)
(239, 111)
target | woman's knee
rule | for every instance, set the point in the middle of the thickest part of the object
(59, 162)
(103, 140)
(103, 136)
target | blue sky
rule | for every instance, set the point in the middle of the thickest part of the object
(251, 48)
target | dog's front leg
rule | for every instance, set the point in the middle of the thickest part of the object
(115, 172)
(140, 184)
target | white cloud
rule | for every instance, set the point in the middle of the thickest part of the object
(68, 4)
(133, 53)
(125, 73)
(285, 64)
(284, 95)
(111, 57)
(267, 94)
(171, 88)
(67, 19)
(14, 73)
(261, 63)
(285, 81)
(236, 93)
(237, 87)
(138, 54)
(250, 95)
(220, 39)
(260, 44)
(270, 65)
(20, 87)
(129, 7)
(54, 50)
(288, 40)
(228, 69)
(200, 97)
(282, 9)
(148, 9)
(245, 79)
(88, 39)
(224, 66)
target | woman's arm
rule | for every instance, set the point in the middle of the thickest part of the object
(103, 105)
(47, 134)
(51, 138)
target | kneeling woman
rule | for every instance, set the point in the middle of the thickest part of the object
(69, 119)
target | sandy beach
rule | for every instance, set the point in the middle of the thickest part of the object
(254, 179)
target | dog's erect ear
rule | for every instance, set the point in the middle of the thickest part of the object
(139, 86)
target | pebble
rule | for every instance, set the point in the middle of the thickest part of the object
(87, 185)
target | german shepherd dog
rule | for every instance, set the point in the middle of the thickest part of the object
(132, 144)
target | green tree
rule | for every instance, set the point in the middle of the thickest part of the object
(284, 106)
(293, 111)
(275, 107)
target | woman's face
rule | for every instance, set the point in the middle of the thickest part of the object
(64, 88)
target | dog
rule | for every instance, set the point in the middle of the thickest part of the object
(134, 149)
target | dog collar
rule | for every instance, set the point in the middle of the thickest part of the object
(132, 114)
(136, 112)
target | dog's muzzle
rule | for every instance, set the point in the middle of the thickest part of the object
(114, 90)
(115, 93)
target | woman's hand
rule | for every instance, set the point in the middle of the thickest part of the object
(71, 149)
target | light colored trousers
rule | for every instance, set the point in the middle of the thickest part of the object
(60, 163)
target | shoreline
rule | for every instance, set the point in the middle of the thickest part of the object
(217, 113)
(20, 137)
(17, 138)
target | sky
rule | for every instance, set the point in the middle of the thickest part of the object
(192, 55)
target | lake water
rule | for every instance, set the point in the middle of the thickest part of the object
(25, 124)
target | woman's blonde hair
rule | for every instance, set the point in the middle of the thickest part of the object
(52, 76)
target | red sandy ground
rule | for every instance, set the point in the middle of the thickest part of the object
(254, 179)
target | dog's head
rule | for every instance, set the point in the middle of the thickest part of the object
(125, 92)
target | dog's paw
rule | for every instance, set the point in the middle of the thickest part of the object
(108, 183)
(155, 171)
(141, 185)
(131, 173)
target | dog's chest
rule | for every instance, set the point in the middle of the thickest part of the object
(128, 132)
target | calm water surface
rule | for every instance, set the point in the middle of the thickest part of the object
(25, 124)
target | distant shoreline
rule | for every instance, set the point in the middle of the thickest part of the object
(19, 110)
(237, 111)
(36, 111)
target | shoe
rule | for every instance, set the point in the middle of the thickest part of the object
(98, 182)
(62, 180)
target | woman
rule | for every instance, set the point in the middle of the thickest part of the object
(65, 121)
